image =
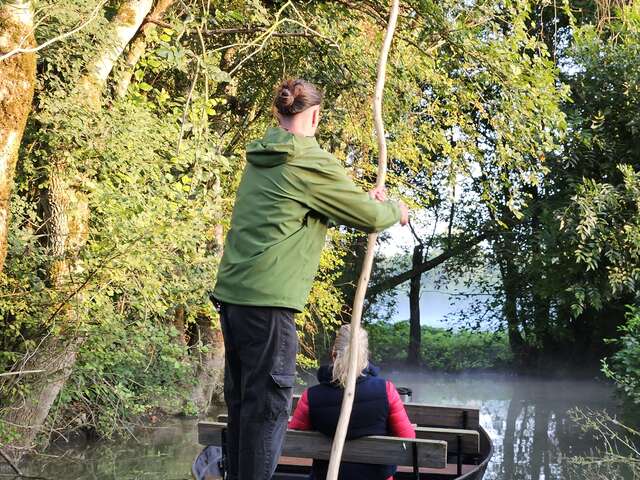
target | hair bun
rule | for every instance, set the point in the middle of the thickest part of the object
(286, 97)
(295, 96)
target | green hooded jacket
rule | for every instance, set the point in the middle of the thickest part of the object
(290, 190)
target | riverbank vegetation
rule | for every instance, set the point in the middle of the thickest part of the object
(624, 366)
(619, 453)
(513, 135)
(443, 350)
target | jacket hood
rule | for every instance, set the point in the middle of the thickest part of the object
(325, 374)
(276, 147)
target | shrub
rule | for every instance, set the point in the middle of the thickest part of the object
(618, 455)
(624, 365)
(126, 370)
(440, 349)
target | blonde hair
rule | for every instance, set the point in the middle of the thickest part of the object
(342, 351)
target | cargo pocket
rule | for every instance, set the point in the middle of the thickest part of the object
(283, 369)
(283, 381)
(280, 401)
(287, 348)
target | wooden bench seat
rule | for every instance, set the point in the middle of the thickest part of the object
(469, 439)
(435, 415)
(465, 441)
(374, 449)
(442, 416)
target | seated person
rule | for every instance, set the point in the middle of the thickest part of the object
(377, 408)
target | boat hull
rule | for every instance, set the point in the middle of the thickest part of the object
(299, 469)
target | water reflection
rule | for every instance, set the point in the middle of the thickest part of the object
(526, 418)
(161, 453)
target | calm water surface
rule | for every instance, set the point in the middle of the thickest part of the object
(527, 419)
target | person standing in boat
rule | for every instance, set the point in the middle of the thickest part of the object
(377, 408)
(290, 190)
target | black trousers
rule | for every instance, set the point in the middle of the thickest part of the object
(260, 365)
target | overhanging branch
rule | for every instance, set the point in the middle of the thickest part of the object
(430, 264)
(247, 30)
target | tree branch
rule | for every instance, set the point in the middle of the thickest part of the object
(10, 463)
(307, 33)
(157, 21)
(22, 372)
(430, 264)
(243, 30)
(415, 235)
(59, 38)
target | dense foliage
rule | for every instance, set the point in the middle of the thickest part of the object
(624, 366)
(558, 269)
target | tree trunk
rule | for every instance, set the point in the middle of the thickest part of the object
(124, 26)
(66, 212)
(209, 375)
(17, 79)
(415, 332)
(349, 276)
(541, 304)
(66, 216)
(506, 250)
(542, 326)
(510, 309)
(180, 325)
(139, 45)
(56, 357)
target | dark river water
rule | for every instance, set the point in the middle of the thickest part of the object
(527, 418)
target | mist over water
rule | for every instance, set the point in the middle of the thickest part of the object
(527, 418)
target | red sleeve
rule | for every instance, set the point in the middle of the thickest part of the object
(301, 419)
(398, 421)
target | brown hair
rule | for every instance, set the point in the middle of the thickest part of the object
(295, 96)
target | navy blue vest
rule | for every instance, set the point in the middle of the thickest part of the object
(369, 417)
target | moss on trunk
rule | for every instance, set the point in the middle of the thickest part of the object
(17, 79)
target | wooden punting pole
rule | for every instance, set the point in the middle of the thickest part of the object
(363, 281)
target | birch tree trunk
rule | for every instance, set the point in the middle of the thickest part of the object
(66, 216)
(17, 79)
(139, 45)
(124, 26)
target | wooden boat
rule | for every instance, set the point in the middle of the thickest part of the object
(450, 445)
